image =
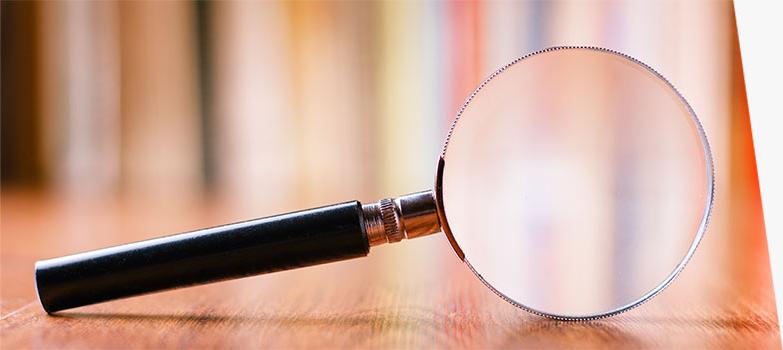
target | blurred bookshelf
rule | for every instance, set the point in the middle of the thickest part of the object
(305, 100)
(275, 106)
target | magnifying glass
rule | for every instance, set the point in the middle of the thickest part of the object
(575, 182)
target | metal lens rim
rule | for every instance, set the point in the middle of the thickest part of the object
(650, 294)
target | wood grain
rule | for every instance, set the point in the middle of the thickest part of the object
(416, 294)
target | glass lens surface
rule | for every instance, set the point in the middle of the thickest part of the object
(577, 182)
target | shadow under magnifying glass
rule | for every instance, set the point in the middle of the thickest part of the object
(370, 322)
(431, 325)
(568, 334)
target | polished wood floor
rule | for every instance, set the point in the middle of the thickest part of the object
(413, 294)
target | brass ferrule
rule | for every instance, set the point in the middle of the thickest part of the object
(391, 220)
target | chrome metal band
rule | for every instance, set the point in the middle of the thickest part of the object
(409, 216)
(373, 224)
(391, 220)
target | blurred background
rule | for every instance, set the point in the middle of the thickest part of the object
(262, 107)
(308, 102)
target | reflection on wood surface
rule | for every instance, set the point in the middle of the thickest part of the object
(415, 294)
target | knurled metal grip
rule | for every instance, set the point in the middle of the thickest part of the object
(409, 216)
(391, 220)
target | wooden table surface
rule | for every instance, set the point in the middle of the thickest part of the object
(413, 294)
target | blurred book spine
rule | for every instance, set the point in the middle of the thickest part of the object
(333, 99)
(464, 42)
(22, 156)
(506, 30)
(255, 148)
(410, 94)
(80, 95)
(160, 126)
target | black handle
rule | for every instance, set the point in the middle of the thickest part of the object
(242, 249)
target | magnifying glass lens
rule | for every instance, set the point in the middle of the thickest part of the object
(576, 182)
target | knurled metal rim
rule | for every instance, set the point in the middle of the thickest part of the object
(710, 172)
(391, 220)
